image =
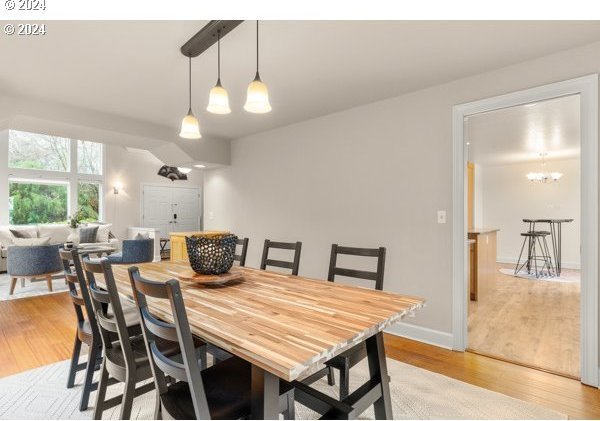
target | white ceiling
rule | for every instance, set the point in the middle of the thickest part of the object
(312, 68)
(520, 134)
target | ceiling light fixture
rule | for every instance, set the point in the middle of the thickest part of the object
(190, 127)
(218, 102)
(257, 98)
(544, 176)
(200, 166)
(184, 170)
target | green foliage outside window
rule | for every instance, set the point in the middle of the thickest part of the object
(88, 200)
(32, 203)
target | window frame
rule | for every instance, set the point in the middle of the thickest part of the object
(41, 181)
(72, 178)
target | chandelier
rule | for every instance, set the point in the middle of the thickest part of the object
(544, 176)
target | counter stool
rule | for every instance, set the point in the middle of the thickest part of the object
(538, 251)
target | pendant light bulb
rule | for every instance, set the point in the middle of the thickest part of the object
(218, 99)
(257, 96)
(190, 127)
(218, 102)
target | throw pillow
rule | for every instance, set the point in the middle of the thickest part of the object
(103, 231)
(21, 233)
(88, 234)
(27, 242)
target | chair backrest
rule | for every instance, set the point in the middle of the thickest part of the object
(33, 260)
(294, 265)
(179, 332)
(376, 276)
(138, 251)
(241, 258)
(78, 289)
(108, 309)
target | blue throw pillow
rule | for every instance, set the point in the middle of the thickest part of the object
(88, 234)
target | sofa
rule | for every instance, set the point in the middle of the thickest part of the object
(57, 233)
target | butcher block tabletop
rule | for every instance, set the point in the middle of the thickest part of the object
(287, 325)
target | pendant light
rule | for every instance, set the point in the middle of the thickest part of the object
(257, 99)
(218, 102)
(190, 128)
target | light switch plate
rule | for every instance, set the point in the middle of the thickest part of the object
(441, 217)
(211, 215)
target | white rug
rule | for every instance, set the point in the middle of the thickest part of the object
(31, 289)
(416, 394)
(564, 276)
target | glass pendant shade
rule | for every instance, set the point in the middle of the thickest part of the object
(190, 128)
(218, 102)
(257, 98)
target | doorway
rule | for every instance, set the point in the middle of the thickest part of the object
(523, 178)
(586, 88)
(170, 208)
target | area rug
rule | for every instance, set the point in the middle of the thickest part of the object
(31, 289)
(564, 276)
(416, 394)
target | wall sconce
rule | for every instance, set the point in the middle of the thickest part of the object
(118, 186)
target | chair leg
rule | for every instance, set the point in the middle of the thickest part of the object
(290, 412)
(89, 376)
(49, 282)
(330, 377)
(102, 384)
(74, 362)
(157, 411)
(344, 382)
(13, 284)
(128, 395)
(22, 282)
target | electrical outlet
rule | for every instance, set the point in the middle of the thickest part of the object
(211, 215)
(441, 217)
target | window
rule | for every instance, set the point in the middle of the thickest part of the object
(39, 152)
(88, 201)
(89, 157)
(38, 192)
(37, 202)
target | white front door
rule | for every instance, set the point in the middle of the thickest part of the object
(170, 209)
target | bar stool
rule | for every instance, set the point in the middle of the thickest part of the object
(538, 251)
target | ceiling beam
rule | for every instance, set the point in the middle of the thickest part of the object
(207, 36)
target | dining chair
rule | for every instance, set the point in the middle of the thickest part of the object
(294, 265)
(349, 358)
(124, 356)
(87, 327)
(222, 391)
(241, 258)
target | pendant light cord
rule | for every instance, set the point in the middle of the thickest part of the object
(190, 82)
(219, 57)
(257, 47)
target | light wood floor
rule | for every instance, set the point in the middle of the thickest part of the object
(40, 330)
(535, 323)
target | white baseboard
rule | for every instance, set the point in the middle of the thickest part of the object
(422, 334)
(513, 261)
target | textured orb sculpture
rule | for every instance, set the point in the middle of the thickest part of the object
(211, 255)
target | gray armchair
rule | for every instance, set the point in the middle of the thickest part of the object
(29, 262)
(134, 251)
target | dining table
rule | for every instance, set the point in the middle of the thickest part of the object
(287, 327)
(555, 235)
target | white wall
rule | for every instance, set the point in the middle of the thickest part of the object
(372, 175)
(508, 197)
(132, 168)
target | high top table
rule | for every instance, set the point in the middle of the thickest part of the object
(555, 234)
(287, 327)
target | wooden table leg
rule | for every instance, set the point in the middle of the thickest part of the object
(265, 395)
(378, 372)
